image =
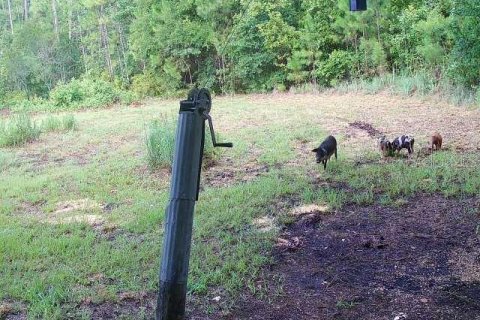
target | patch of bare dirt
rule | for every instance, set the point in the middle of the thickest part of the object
(10, 310)
(137, 305)
(372, 132)
(419, 261)
(225, 174)
(76, 205)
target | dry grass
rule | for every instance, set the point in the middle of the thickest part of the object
(389, 114)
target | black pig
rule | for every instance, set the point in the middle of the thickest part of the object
(325, 150)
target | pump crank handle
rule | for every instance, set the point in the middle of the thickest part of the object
(212, 133)
(224, 145)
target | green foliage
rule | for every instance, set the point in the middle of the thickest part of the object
(164, 48)
(465, 58)
(85, 93)
(19, 130)
(336, 68)
(373, 58)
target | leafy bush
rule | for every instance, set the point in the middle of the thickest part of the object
(166, 83)
(373, 58)
(17, 131)
(86, 93)
(335, 68)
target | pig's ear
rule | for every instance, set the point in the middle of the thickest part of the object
(315, 150)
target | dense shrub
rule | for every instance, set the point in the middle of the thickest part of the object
(336, 68)
(86, 93)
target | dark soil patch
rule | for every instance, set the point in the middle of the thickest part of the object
(129, 306)
(372, 132)
(377, 263)
(226, 174)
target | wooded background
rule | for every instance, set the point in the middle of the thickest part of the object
(154, 47)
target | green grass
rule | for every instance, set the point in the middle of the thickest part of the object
(420, 84)
(50, 264)
(160, 143)
(59, 124)
(19, 130)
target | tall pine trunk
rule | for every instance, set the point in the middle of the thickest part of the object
(55, 19)
(123, 48)
(9, 3)
(104, 41)
(25, 9)
(70, 19)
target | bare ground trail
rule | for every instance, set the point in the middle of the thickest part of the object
(420, 261)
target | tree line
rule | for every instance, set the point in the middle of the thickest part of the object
(157, 47)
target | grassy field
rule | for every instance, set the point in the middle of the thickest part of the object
(81, 211)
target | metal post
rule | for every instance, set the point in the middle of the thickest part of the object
(186, 169)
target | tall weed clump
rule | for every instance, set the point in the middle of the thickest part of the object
(160, 144)
(19, 130)
(56, 124)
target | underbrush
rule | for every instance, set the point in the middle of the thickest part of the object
(419, 84)
(87, 93)
(77, 94)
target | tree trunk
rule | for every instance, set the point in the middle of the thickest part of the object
(82, 45)
(377, 14)
(104, 41)
(70, 19)
(25, 9)
(9, 3)
(123, 47)
(55, 19)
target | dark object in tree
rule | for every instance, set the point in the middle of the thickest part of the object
(187, 164)
(358, 5)
(436, 141)
(326, 149)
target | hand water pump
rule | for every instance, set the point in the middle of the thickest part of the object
(184, 191)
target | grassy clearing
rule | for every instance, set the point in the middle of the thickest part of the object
(81, 215)
(449, 173)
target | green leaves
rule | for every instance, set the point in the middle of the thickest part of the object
(163, 47)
